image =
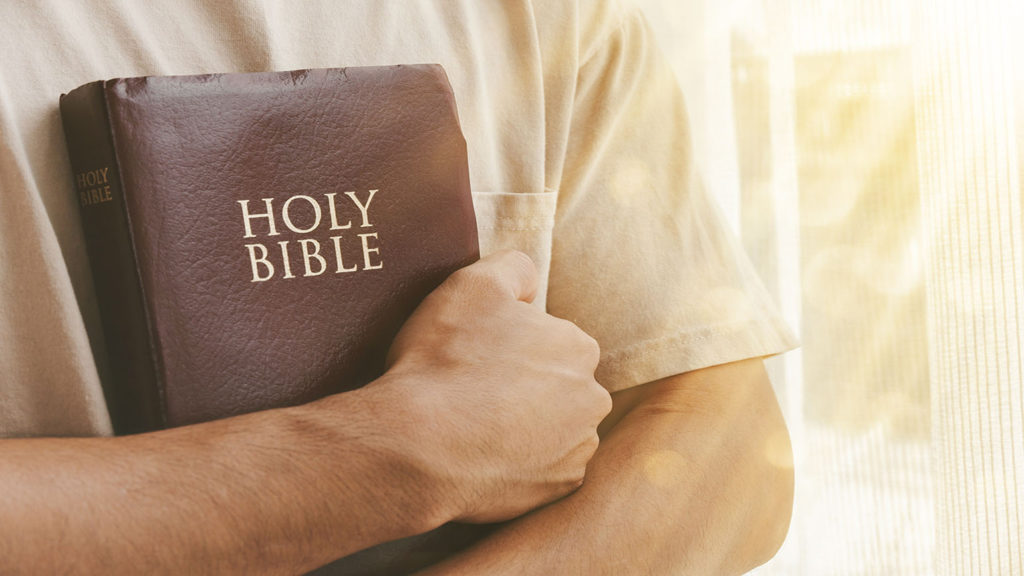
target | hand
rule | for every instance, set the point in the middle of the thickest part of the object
(504, 396)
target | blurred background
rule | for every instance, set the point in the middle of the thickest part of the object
(869, 153)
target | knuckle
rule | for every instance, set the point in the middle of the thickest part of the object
(521, 261)
(591, 348)
(602, 399)
(502, 271)
(582, 342)
(559, 332)
(560, 326)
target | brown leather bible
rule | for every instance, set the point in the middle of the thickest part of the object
(257, 240)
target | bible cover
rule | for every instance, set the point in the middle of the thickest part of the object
(258, 239)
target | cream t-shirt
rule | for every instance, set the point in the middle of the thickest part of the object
(579, 155)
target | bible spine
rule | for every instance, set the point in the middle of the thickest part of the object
(131, 387)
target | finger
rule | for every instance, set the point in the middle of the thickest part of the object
(513, 271)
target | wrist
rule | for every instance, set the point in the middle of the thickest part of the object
(385, 428)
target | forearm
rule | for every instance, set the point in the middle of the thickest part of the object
(281, 491)
(488, 409)
(693, 480)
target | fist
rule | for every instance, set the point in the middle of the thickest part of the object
(503, 393)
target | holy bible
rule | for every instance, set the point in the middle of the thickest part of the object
(257, 240)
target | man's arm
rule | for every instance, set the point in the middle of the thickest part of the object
(693, 476)
(268, 492)
(460, 427)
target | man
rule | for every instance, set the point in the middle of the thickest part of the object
(579, 157)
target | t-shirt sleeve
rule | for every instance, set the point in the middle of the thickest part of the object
(641, 258)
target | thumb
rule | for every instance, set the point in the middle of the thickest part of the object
(513, 271)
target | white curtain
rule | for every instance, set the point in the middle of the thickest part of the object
(870, 153)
